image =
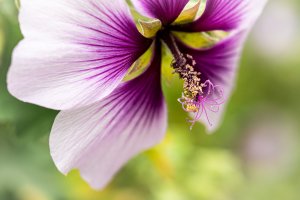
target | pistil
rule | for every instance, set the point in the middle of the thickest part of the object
(194, 99)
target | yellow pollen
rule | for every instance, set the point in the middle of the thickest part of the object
(184, 65)
(190, 107)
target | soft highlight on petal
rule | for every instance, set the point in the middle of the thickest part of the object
(100, 138)
(74, 52)
(165, 10)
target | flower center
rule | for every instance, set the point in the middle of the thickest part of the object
(184, 65)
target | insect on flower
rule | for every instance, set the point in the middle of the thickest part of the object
(77, 55)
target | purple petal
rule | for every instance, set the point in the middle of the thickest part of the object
(165, 10)
(218, 64)
(227, 15)
(74, 52)
(100, 138)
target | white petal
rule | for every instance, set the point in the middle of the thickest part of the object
(74, 52)
(102, 137)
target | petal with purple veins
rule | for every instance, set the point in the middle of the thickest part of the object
(100, 138)
(74, 52)
(226, 15)
(165, 10)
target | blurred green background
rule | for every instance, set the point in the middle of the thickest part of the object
(255, 155)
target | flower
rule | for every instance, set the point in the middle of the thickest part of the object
(76, 54)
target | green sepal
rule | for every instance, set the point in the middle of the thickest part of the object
(188, 14)
(149, 28)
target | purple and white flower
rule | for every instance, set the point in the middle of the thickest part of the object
(75, 57)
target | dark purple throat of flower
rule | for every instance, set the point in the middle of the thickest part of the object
(198, 95)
